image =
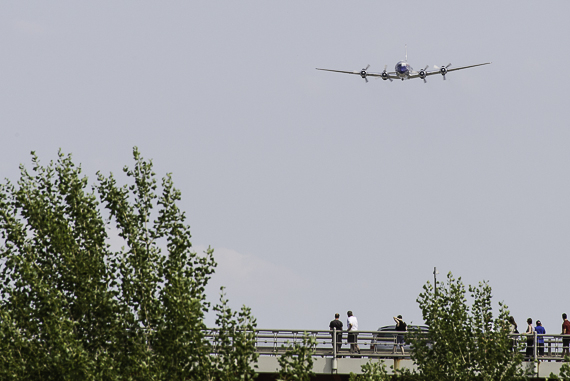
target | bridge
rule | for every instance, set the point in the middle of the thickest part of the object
(374, 346)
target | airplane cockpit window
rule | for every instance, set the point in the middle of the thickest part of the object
(401, 67)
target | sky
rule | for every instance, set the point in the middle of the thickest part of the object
(320, 193)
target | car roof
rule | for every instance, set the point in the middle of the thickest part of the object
(410, 327)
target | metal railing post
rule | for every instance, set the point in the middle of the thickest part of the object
(275, 333)
(534, 351)
(334, 366)
(334, 342)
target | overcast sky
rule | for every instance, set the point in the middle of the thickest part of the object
(320, 193)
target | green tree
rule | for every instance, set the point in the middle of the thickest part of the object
(464, 341)
(234, 344)
(297, 361)
(74, 308)
(372, 371)
(58, 290)
(162, 297)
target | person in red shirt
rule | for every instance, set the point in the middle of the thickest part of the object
(565, 331)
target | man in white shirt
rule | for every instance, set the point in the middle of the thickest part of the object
(352, 325)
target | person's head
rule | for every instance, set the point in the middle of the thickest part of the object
(529, 321)
(349, 313)
(564, 316)
(538, 322)
(512, 320)
(336, 316)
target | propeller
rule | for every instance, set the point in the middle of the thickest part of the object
(423, 74)
(385, 74)
(443, 70)
(363, 73)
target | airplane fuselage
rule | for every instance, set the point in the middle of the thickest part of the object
(403, 70)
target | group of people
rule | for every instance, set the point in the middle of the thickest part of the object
(352, 328)
(352, 337)
(540, 330)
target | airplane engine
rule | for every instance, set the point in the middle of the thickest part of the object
(363, 73)
(423, 74)
(443, 70)
(385, 74)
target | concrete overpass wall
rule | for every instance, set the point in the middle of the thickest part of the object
(342, 367)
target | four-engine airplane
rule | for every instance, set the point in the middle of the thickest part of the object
(405, 71)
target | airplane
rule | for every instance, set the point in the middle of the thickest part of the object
(405, 71)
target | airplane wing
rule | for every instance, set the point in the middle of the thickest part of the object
(467, 67)
(391, 75)
(448, 69)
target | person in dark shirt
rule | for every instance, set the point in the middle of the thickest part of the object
(400, 327)
(336, 323)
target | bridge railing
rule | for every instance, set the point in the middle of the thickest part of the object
(382, 344)
(550, 347)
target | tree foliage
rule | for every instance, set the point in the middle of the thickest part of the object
(297, 361)
(372, 371)
(234, 342)
(464, 341)
(72, 307)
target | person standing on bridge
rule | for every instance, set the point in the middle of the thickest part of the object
(565, 331)
(401, 326)
(337, 324)
(539, 329)
(513, 329)
(352, 327)
(530, 339)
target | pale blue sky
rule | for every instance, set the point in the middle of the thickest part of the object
(319, 192)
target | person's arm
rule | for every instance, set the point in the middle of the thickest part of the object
(397, 321)
(564, 329)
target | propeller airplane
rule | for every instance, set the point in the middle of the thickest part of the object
(403, 71)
